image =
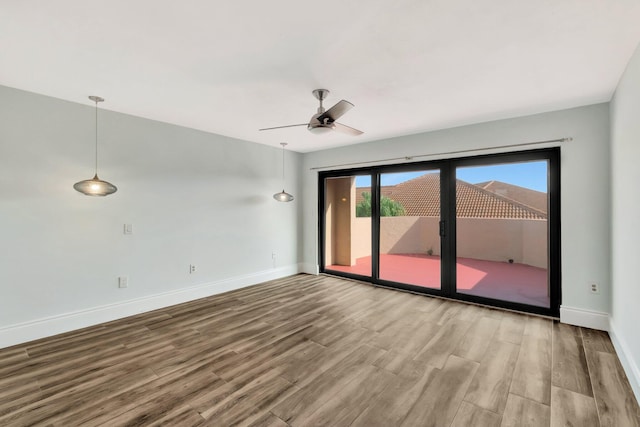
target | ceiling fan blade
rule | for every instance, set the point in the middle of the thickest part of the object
(287, 126)
(346, 129)
(335, 112)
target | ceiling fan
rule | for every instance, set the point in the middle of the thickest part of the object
(325, 121)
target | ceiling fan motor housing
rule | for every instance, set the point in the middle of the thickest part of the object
(316, 126)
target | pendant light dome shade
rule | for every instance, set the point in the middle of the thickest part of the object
(95, 186)
(283, 196)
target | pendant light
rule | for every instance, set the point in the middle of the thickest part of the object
(283, 196)
(95, 186)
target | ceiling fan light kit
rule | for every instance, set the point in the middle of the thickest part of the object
(95, 186)
(324, 121)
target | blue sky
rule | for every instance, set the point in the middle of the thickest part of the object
(531, 175)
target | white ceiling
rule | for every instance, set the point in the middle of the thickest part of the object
(232, 67)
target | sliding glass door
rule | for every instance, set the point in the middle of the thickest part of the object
(481, 229)
(502, 230)
(409, 249)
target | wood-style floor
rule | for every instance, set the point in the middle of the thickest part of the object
(314, 350)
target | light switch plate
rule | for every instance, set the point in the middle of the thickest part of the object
(123, 282)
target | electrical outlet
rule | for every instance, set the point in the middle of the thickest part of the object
(123, 282)
(192, 268)
(594, 288)
(273, 255)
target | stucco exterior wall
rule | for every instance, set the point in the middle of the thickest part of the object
(524, 241)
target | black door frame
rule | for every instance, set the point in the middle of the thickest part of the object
(447, 170)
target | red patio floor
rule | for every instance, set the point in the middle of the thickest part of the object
(498, 280)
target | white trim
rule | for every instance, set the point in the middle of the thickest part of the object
(48, 326)
(310, 268)
(626, 359)
(585, 318)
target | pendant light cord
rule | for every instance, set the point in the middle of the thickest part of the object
(284, 144)
(96, 137)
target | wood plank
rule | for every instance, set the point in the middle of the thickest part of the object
(247, 404)
(511, 327)
(569, 370)
(329, 331)
(443, 343)
(306, 369)
(538, 327)
(489, 388)
(13, 356)
(470, 415)
(595, 340)
(615, 401)
(532, 374)
(268, 420)
(301, 404)
(184, 416)
(569, 408)
(440, 399)
(394, 403)
(163, 398)
(18, 395)
(282, 350)
(73, 400)
(446, 311)
(406, 345)
(522, 412)
(476, 341)
(351, 400)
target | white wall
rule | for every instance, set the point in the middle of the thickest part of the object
(584, 180)
(192, 197)
(625, 224)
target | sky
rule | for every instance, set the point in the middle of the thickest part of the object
(532, 175)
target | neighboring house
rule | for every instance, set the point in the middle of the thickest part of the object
(421, 197)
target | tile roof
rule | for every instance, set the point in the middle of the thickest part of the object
(421, 197)
(532, 198)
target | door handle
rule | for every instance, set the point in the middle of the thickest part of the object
(442, 228)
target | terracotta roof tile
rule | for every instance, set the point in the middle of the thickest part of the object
(526, 196)
(421, 197)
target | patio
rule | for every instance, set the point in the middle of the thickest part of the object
(491, 279)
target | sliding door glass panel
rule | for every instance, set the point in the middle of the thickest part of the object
(502, 244)
(347, 245)
(409, 228)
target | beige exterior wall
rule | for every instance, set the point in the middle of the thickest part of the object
(535, 243)
(409, 235)
(362, 237)
(524, 241)
(340, 215)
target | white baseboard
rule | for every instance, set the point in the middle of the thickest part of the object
(310, 268)
(628, 363)
(45, 327)
(585, 318)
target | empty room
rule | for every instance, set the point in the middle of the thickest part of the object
(414, 213)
